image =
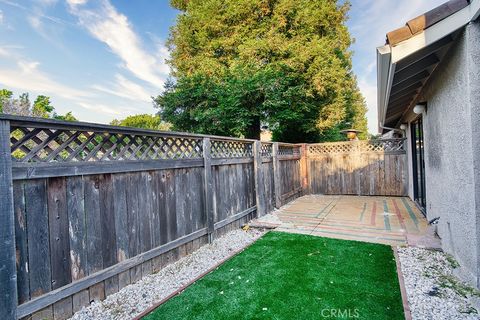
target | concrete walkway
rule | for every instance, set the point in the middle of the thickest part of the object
(387, 220)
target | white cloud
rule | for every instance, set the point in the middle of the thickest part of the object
(106, 24)
(37, 10)
(26, 76)
(4, 21)
(125, 88)
(35, 22)
(4, 52)
(101, 108)
(48, 27)
(76, 2)
(13, 4)
(371, 67)
(47, 2)
(36, 17)
(369, 91)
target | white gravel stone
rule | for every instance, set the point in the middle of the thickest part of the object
(137, 297)
(432, 289)
(271, 218)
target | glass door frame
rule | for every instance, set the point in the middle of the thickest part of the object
(418, 161)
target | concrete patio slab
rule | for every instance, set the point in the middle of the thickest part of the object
(378, 219)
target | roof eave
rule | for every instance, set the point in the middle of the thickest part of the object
(388, 56)
(436, 32)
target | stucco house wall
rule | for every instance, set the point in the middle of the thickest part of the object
(452, 151)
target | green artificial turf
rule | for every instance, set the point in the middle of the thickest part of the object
(291, 276)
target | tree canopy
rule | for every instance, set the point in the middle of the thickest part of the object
(144, 121)
(66, 117)
(41, 107)
(240, 64)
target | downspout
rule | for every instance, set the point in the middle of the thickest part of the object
(393, 129)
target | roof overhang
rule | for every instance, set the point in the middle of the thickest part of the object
(403, 68)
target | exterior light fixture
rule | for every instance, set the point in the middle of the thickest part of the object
(403, 126)
(419, 108)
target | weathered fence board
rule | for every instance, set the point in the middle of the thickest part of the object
(58, 232)
(234, 189)
(268, 186)
(23, 285)
(287, 172)
(94, 230)
(77, 227)
(107, 214)
(358, 168)
(38, 237)
(8, 277)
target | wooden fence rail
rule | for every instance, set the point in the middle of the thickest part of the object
(87, 209)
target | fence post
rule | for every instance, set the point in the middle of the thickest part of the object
(259, 189)
(208, 188)
(304, 168)
(8, 273)
(276, 176)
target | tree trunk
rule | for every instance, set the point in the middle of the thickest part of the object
(253, 131)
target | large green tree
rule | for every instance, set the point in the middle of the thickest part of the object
(237, 64)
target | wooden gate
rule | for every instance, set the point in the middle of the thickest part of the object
(376, 167)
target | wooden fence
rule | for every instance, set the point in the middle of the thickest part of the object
(375, 168)
(87, 209)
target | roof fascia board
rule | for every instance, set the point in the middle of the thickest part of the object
(383, 75)
(436, 32)
(391, 73)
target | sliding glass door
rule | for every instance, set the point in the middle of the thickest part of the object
(418, 157)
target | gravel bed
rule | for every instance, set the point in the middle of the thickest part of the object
(433, 290)
(137, 297)
(270, 218)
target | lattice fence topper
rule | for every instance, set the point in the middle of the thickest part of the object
(231, 149)
(266, 150)
(285, 150)
(390, 145)
(65, 145)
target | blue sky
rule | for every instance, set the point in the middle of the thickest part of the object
(104, 59)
